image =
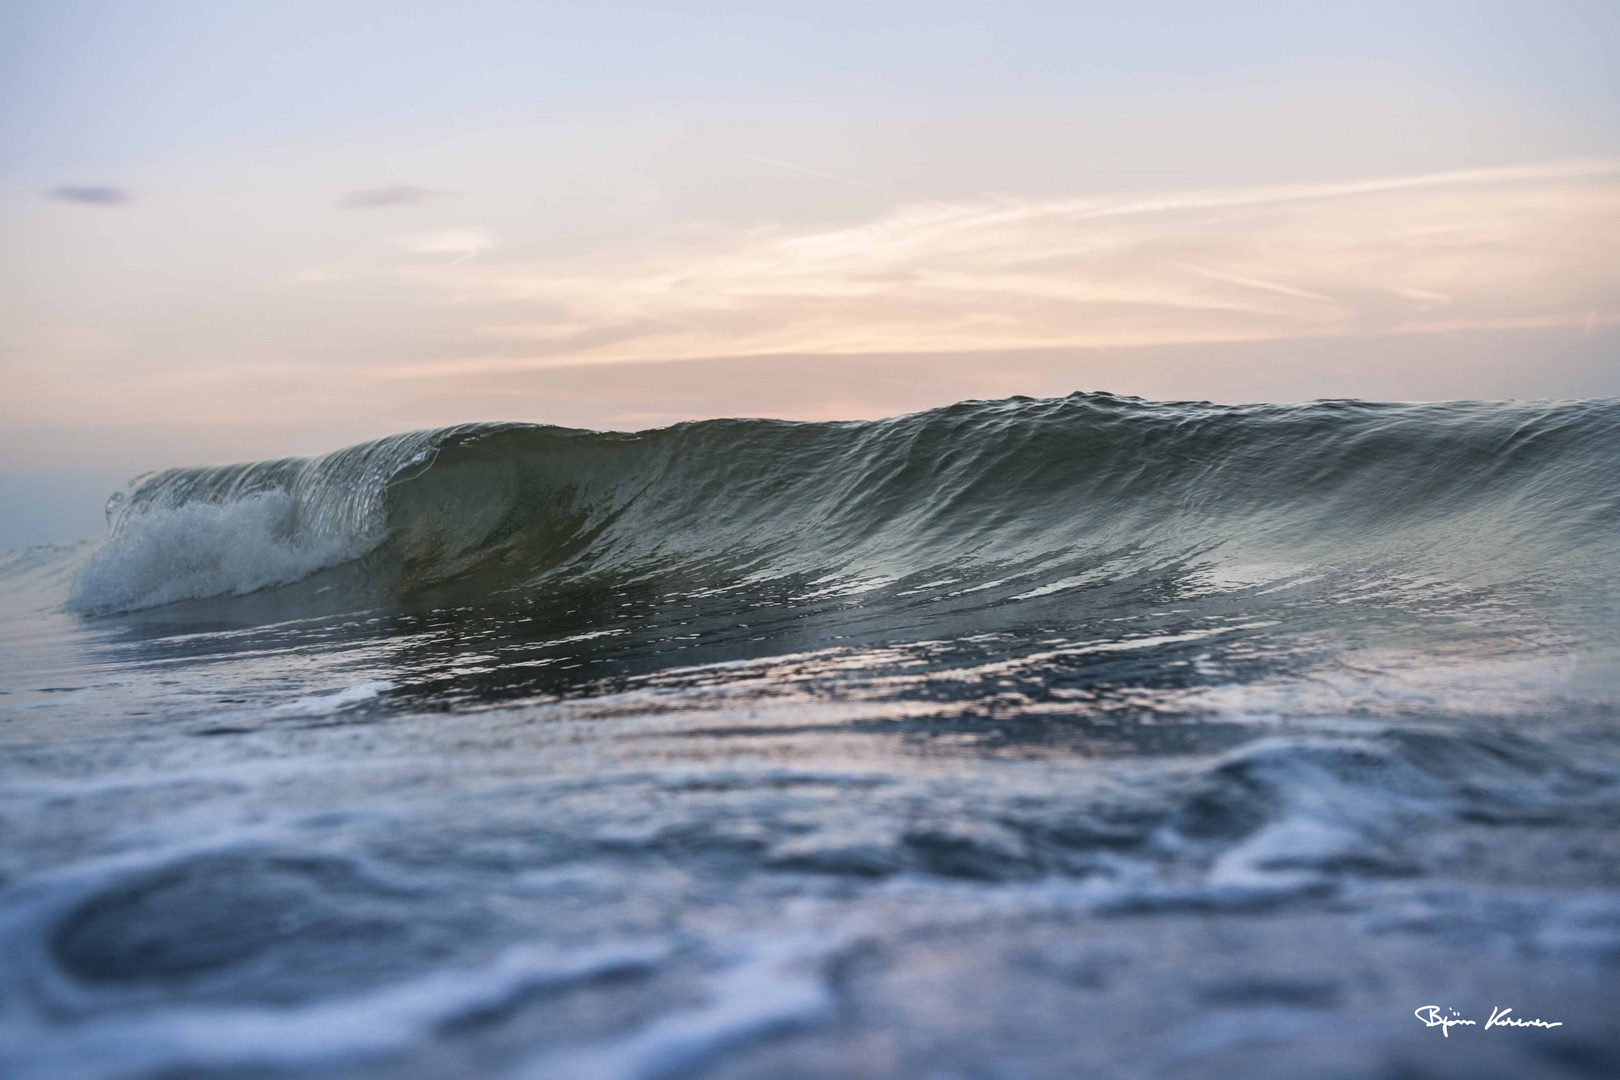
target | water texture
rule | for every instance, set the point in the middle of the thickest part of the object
(1088, 736)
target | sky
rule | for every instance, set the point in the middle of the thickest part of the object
(239, 230)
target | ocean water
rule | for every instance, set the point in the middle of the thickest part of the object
(1016, 739)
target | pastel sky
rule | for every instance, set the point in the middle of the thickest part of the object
(234, 230)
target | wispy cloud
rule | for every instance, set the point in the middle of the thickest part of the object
(462, 244)
(780, 164)
(90, 194)
(398, 195)
(1514, 247)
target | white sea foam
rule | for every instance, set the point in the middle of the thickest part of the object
(779, 988)
(205, 549)
(321, 704)
(325, 703)
(383, 1022)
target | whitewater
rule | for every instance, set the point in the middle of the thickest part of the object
(1030, 738)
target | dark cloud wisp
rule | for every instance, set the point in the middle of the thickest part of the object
(399, 195)
(93, 194)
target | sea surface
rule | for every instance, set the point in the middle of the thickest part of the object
(1085, 737)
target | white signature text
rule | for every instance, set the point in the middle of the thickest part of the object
(1446, 1019)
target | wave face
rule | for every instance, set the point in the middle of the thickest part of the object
(1055, 494)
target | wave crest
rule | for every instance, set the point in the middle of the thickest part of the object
(1087, 488)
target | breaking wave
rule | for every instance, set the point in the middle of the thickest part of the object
(1047, 494)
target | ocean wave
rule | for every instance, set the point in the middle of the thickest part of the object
(1050, 494)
